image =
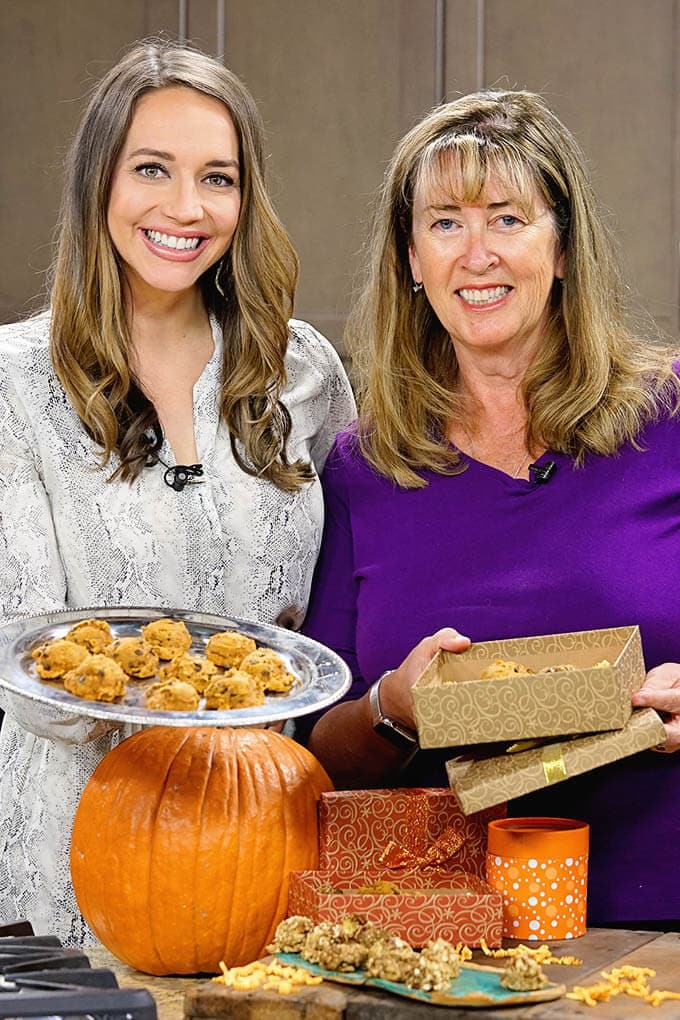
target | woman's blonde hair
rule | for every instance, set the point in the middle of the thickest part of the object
(90, 338)
(593, 384)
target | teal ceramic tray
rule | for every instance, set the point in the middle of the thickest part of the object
(477, 985)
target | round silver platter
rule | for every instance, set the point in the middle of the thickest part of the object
(322, 676)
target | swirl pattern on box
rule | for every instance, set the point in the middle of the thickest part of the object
(453, 707)
(440, 910)
(355, 827)
(479, 784)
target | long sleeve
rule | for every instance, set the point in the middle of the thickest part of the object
(332, 613)
(31, 571)
(32, 578)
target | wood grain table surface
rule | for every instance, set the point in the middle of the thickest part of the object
(600, 949)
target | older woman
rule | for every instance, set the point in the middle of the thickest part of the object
(161, 426)
(515, 471)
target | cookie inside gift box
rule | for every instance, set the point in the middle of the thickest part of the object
(525, 688)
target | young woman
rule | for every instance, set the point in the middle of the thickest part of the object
(163, 421)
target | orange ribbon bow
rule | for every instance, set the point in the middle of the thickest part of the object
(416, 851)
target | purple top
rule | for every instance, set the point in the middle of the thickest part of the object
(498, 557)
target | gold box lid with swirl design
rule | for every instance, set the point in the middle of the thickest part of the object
(455, 707)
(483, 782)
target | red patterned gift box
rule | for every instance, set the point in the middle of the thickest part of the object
(357, 826)
(417, 839)
(454, 905)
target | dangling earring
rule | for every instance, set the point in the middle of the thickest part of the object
(217, 278)
(417, 287)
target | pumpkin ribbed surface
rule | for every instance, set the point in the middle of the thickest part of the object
(183, 842)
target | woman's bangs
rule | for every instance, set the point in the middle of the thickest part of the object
(457, 170)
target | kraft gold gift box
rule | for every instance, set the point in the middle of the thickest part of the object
(453, 707)
(419, 840)
(479, 784)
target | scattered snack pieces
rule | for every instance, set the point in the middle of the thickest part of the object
(54, 658)
(96, 678)
(500, 668)
(523, 973)
(196, 670)
(542, 954)
(228, 648)
(172, 696)
(276, 976)
(95, 635)
(168, 638)
(626, 980)
(134, 655)
(233, 689)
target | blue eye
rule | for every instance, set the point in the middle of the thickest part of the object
(508, 220)
(445, 225)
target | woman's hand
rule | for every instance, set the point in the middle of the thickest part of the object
(395, 690)
(661, 691)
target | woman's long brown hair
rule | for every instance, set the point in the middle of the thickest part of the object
(90, 337)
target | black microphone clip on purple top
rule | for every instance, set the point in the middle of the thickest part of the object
(542, 473)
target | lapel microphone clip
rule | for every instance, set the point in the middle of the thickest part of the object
(542, 473)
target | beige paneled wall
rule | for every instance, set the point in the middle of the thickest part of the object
(338, 81)
(608, 69)
(51, 52)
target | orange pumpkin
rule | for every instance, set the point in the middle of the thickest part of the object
(183, 842)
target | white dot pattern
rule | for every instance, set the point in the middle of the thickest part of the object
(541, 899)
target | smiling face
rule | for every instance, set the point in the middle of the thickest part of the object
(174, 201)
(487, 267)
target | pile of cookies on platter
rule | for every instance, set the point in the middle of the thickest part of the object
(93, 664)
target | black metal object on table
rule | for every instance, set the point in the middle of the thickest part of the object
(39, 978)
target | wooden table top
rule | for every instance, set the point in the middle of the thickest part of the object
(600, 948)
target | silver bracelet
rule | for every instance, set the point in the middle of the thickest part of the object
(395, 732)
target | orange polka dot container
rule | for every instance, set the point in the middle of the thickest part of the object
(540, 867)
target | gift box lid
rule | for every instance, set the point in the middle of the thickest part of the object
(483, 782)
(405, 828)
(454, 707)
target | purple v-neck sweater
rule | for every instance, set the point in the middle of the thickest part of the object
(496, 557)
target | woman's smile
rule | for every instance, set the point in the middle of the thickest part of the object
(484, 298)
(488, 268)
(167, 244)
(175, 196)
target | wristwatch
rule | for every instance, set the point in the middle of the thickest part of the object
(401, 736)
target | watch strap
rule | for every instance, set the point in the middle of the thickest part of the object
(396, 733)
